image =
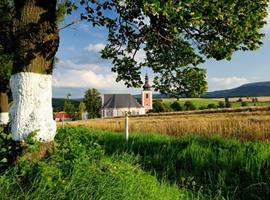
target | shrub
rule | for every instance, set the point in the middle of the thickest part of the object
(158, 106)
(202, 108)
(240, 100)
(227, 103)
(189, 106)
(176, 106)
(221, 104)
(244, 104)
(7, 150)
(211, 105)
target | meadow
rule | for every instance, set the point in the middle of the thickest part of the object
(221, 154)
(249, 124)
(94, 164)
(204, 102)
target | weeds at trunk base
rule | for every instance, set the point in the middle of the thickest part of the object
(12, 152)
(8, 150)
(79, 169)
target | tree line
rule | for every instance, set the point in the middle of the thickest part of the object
(91, 103)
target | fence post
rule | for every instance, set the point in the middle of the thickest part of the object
(126, 125)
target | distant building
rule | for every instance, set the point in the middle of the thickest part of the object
(84, 115)
(147, 96)
(114, 105)
(61, 116)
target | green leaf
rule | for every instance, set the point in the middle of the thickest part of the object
(4, 160)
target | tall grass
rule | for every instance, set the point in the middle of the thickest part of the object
(80, 169)
(94, 164)
(244, 126)
(214, 167)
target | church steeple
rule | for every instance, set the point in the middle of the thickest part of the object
(146, 86)
(147, 95)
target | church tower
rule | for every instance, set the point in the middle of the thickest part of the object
(147, 95)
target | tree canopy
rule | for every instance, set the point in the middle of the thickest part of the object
(92, 103)
(175, 35)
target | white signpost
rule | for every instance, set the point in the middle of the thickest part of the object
(126, 125)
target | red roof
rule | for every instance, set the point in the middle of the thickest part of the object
(61, 115)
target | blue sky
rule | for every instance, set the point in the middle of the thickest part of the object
(80, 66)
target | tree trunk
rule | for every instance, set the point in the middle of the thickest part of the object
(4, 119)
(37, 40)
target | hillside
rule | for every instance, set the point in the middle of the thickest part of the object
(250, 90)
(58, 103)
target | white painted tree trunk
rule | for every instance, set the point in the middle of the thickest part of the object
(4, 119)
(32, 106)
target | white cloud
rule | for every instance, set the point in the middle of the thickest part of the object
(95, 47)
(70, 65)
(75, 76)
(220, 83)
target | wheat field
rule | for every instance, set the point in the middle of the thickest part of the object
(245, 125)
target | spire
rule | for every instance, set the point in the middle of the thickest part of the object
(146, 86)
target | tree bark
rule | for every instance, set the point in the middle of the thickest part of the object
(4, 118)
(37, 40)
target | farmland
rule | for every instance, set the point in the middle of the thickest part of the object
(204, 102)
(213, 154)
(245, 125)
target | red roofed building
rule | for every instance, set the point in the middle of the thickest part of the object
(61, 116)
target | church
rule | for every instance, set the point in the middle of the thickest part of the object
(115, 105)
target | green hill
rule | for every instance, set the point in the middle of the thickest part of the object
(58, 103)
(247, 90)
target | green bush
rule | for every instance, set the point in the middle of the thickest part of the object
(228, 103)
(176, 106)
(244, 104)
(211, 105)
(159, 106)
(221, 104)
(7, 150)
(189, 106)
(202, 108)
(240, 99)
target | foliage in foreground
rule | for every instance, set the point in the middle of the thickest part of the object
(92, 164)
(79, 169)
(213, 168)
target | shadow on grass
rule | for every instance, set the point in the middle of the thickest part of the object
(214, 165)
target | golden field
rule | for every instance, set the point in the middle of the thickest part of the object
(249, 124)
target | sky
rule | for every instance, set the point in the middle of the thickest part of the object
(80, 66)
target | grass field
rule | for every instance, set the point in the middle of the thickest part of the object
(204, 102)
(94, 164)
(241, 125)
(197, 102)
